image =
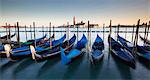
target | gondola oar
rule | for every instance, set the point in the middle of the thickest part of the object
(43, 30)
(33, 52)
(8, 49)
(126, 33)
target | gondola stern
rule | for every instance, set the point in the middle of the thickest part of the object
(7, 49)
(64, 58)
(33, 53)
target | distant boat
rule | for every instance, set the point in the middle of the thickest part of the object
(75, 52)
(119, 52)
(97, 48)
(141, 52)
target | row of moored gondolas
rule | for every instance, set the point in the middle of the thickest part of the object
(69, 50)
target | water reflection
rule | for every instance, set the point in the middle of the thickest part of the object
(48, 64)
(144, 63)
(123, 69)
(80, 68)
(73, 67)
(24, 64)
(7, 65)
(95, 69)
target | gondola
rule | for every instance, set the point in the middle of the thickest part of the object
(1, 47)
(7, 36)
(75, 52)
(143, 54)
(4, 40)
(97, 49)
(24, 52)
(53, 51)
(31, 42)
(146, 41)
(24, 46)
(146, 45)
(119, 52)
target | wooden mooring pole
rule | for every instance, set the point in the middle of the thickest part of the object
(110, 32)
(134, 50)
(26, 32)
(31, 32)
(9, 37)
(77, 32)
(118, 31)
(34, 34)
(50, 35)
(54, 32)
(133, 33)
(103, 32)
(7, 30)
(68, 33)
(89, 44)
(18, 34)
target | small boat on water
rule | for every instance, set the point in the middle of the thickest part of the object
(146, 45)
(31, 42)
(7, 36)
(23, 52)
(141, 52)
(97, 48)
(7, 39)
(145, 40)
(24, 47)
(54, 50)
(119, 52)
(66, 57)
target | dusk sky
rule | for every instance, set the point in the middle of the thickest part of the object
(61, 11)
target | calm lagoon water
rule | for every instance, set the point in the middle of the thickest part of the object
(81, 68)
